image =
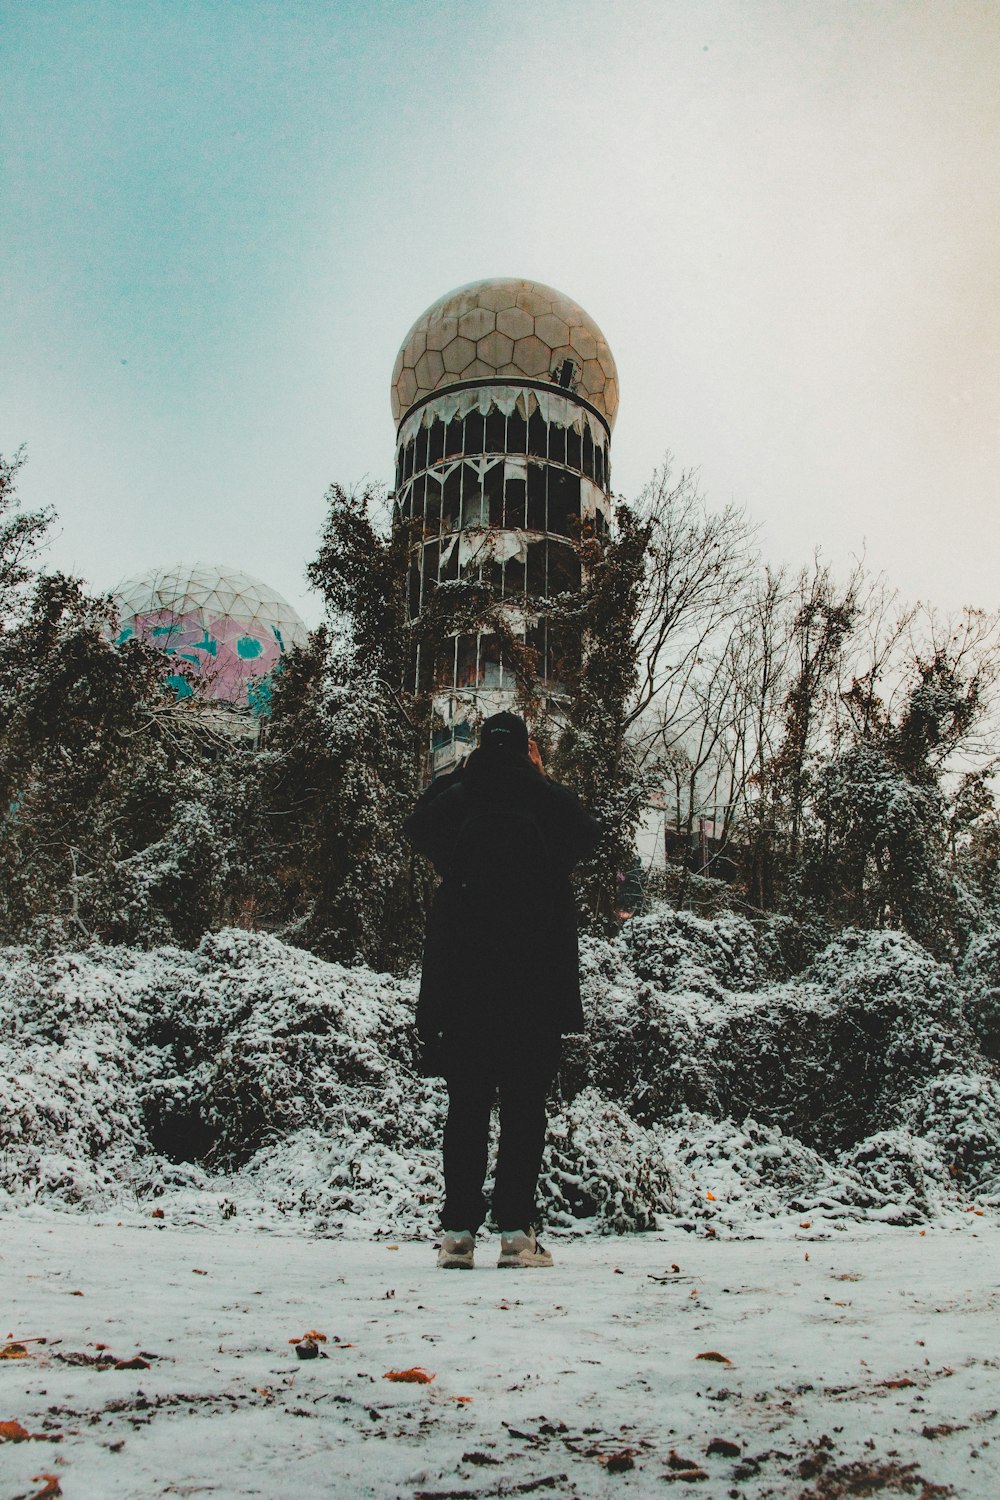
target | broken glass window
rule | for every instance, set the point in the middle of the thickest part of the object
(489, 660)
(564, 501)
(475, 432)
(517, 433)
(448, 569)
(451, 501)
(420, 462)
(537, 435)
(564, 568)
(588, 452)
(415, 499)
(435, 442)
(413, 590)
(474, 511)
(513, 577)
(432, 511)
(493, 490)
(573, 446)
(514, 502)
(536, 497)
(496, 435)
(557, 443)
(493, 575)
(535, 581)
(465, 667)
(444, 667)
(599, 464)
(432, 551)
(453, 438)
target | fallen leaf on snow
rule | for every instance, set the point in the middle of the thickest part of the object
(13, 1432)
(462, 1400)
(13, 1351)
(50, 1488)
(724, 1448)
(416, 1376)
(720, 1359)
(157, 1214)
(617, 1463)
(897, 1385)
(710, 1197)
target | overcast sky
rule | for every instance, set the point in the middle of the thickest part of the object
(220, 217)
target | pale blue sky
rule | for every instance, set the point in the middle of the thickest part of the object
(220, 219)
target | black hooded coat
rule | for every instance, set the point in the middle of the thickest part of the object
(483, 979)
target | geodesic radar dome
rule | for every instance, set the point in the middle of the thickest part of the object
(230, 627)
(505, 328)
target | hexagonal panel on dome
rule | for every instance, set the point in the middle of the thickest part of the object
(532, 355)
(477, 322)
(459, 353)
(495, 349)
(513, 321)
(552, 329)
(503, 328)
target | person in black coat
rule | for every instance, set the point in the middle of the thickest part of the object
(500, 981)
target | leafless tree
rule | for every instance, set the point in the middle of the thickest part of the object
(700, 563)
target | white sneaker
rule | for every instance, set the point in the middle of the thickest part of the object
(456, 1250)
(519, 1247)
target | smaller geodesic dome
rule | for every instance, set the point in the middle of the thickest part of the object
(230, 627)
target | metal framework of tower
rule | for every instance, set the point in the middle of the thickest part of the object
(500, 459)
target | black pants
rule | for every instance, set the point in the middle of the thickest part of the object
(475, 1072)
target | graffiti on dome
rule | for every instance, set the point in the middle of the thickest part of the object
(228, 656)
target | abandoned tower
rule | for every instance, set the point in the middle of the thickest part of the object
(504, 394)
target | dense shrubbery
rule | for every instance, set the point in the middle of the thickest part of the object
(256, 1071)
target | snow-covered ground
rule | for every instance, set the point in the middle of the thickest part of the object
(856, 1361)
(793, 1167)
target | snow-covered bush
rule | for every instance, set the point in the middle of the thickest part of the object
(708, 1089)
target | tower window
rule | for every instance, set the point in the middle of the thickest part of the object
(475, 432)
(489, 660)
(432, 552)
(537, 435)
(536, 497)
(435, 442)
(421, 458)
(514, 502)
(432, 513)
(535, 581)
(451, 503)
(453, 438)
(573, 447)
(564, 501)
(588, 452)
(517, 433)
(496, 437)
(564, 569)
(557, 444)
(493, 490)
(474, 511)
